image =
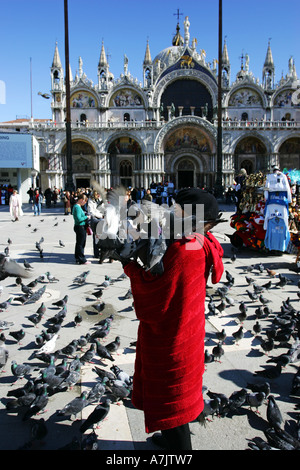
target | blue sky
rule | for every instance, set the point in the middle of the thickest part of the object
(30, 28)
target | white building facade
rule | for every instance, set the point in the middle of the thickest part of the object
(165, 129)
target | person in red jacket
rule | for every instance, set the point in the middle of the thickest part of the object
(169, 365)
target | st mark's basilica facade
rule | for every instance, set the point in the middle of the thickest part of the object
(165, 128)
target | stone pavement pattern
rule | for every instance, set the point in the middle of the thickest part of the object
(124, 427)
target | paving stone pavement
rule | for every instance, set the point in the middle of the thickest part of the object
(124, 427)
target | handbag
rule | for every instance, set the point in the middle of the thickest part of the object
(89, 231)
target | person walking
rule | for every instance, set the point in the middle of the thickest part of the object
(169, 365)
(15, 205)
(80, 221)
(37, 202)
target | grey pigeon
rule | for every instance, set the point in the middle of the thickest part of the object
(96, 416)
(218, 352)
(238, 335)
(255, 399)
(103, 373)
(75, 406)
(113, 346)
(17, 335)
(39, 403)
(272, 372)
(97, 391)
(20, 370)
(102, 352)
(274, 415)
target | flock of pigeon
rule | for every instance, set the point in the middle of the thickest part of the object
(272, 330)
(51, 370)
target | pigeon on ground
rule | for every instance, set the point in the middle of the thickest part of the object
(260, 387)
(272, 372)
(20, 370)
(221, 335)
(103, 373)
(49, 346)
(75, 406)
(61, 243)
(255, 399)
(102, 352)
(267, 345)
(113, 346)
(97, 391)
(27, 265)
(121, 375)
(78, 319)
(238, 335)
(39, 403)
(98, 293)
(81, 279)
(274, 415)
(89, 354)
(18, 335)
(208, 358)
(62, 302)
(96, 416)
(257, 327)
(252, 296)
(35, 318)
(218, 352)
(271, 272)
(4, 305)
(263, 300)
(211, 408)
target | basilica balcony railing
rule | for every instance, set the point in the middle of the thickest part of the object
(260, 125)
(226, 124)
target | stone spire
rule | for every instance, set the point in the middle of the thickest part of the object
(147, 59)
(269, 63)
(268, 76)
(56, 59)
(102, 60)
(225, 56)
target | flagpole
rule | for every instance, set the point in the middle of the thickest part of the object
(69, 183)
(219, 179)
(31, 89)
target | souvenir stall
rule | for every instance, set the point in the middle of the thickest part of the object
(248, 221)
(278, 196)
(268, 218)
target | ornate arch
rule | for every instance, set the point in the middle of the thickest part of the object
(205, 126)
(202, 77)
(125, 84)
(114, 137)
(255, 88)
(82, 137)
(267, 143)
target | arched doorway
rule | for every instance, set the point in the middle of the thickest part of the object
(185, 173)
(252, 151)
(289, 153)
(83, 162)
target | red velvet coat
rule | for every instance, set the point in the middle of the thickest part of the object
(169, 364)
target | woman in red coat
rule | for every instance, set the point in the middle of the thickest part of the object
(169, 363)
